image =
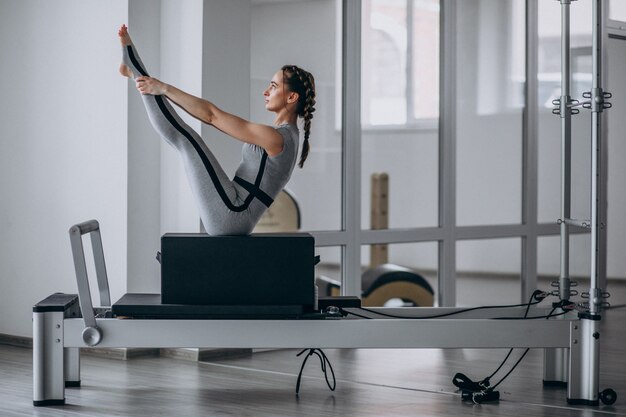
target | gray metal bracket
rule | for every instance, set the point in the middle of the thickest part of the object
(92, 335)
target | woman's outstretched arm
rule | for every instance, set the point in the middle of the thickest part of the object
(205, 111)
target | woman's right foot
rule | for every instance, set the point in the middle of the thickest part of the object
(125, 41)
(125, 71)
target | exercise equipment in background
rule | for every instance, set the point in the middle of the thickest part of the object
(383, 283)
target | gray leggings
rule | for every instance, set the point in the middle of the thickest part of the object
(225, 207)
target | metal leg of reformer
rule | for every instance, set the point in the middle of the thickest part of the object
(555, 367)
(48, 359)
(584, 365)
(71, 359)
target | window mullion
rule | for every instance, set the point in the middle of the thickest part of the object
(409, 63)
(351, 145)
(447, 155)
(530, 155)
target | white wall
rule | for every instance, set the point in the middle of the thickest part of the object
(144, 157)
(181, 65)
(226, 71)
(77, 144)
(180, 43)
(63, 152)
(159, 199)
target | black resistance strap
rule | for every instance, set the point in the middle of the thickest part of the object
(253, 189)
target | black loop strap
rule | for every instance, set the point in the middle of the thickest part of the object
(480, 397)
(323, 361)
(255, 191)
(205, 161)
(462, 382)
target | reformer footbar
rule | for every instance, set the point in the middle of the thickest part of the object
(91, 334)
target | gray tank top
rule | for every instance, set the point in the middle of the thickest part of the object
(272, 171)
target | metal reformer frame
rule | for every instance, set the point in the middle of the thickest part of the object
(571, 342)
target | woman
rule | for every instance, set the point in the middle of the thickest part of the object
(269, 152)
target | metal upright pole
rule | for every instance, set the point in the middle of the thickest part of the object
(556, 360)
(566, 149)
(586, 370)
(598, 169)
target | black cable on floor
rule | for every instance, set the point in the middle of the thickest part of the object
(323, 361)
(482, 390)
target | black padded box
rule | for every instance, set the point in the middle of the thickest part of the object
(259, 269)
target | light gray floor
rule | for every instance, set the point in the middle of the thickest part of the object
(369, 383)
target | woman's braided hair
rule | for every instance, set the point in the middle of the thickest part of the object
(302, 82)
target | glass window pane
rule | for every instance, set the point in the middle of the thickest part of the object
(401, 274)
(425, 54)
(400, 99)
(384, 55)
(617, 10)
(616, 262)
(328, 271)
(317, 187)
(411, 164)
(490, 81)
(488, 272)
(400, 62)
(549, 125)
(549, 257)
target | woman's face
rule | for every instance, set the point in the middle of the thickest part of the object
(276, 98)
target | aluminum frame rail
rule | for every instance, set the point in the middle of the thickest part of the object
(58, 335)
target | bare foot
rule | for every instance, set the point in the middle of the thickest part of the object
(125, 41)
(125, 71)
(124, 36)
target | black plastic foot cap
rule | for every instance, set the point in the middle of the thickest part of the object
(72, 384)
(561, 384)
(44, 403)
(576, 401)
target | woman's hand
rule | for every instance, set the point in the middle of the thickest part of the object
(149, 85)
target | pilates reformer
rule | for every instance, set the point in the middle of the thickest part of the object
(63, 323)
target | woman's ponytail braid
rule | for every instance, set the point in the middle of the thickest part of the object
(303, 83)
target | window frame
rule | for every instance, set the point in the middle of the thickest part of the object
(351, 237)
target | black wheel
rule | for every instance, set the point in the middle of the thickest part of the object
(608, 396)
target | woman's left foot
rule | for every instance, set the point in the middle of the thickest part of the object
(125, 41)
(124, 36)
